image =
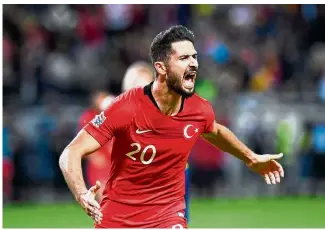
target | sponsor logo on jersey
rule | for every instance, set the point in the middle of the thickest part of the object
(138, 131)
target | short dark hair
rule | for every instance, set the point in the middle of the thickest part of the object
(161, 45)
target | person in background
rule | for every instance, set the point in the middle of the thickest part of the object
(98, 164)
(318, 156)
(7, 164)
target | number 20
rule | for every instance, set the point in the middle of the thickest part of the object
(138, 146)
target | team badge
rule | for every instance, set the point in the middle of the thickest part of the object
(98, 120)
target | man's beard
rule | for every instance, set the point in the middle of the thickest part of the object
(174, 82)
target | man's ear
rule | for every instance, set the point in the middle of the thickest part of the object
(160, 68)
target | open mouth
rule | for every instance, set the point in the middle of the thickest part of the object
(189, 80)
(190, 76)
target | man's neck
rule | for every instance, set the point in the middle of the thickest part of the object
(168, 101)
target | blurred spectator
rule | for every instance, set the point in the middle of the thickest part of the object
(119, 17)
(322, 88)
(59, 139)
(318, 151)
(206, 168)
(7, 163)
(289, 131)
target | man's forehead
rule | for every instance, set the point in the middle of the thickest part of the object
(183, 48)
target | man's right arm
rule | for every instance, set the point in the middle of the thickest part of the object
(70, 161)
(95, 134)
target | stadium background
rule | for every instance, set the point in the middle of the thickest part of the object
(261, 66)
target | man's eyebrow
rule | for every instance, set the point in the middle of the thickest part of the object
(184, 55)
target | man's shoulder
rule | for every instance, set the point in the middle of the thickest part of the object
(132, 94)
(202, 108)
(199, 106)
(198, 102)
(126, 103)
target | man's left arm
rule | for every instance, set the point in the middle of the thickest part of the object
(265, 165)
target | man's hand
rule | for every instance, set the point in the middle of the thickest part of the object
(268, 167)
(89, 203)
(265, 165)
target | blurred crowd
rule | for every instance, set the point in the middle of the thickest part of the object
(261, 66)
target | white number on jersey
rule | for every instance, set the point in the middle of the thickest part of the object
(138, 149)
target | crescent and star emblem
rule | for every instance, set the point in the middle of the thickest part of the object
(186, 133)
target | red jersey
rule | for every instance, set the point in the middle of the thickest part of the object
(149, 156)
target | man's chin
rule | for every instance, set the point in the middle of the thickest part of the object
(184, 92)
(187, 92)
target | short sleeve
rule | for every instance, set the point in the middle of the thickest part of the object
(109, 122)
(209, 117)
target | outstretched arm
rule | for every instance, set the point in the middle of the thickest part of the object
(224, 139)
(265, 165)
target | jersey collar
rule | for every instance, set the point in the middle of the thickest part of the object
(147, 91)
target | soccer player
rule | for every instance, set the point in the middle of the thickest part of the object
(154, 128)
(141, 74)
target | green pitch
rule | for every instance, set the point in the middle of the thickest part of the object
(221, 213)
